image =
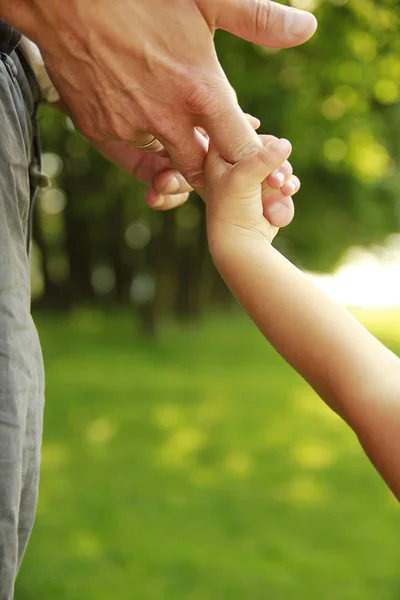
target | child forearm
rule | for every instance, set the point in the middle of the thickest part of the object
(354, 373)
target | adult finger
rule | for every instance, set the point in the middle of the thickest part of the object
(216, 110)
(265, 23)
(188, 150)
(147, 142)
(254, 121)
(165, 202)
(171, 181)
(143, 166)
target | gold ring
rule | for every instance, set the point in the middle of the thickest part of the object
(149, 145)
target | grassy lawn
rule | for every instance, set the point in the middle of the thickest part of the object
(200, 467)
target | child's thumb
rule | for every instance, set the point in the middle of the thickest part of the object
(263, 161)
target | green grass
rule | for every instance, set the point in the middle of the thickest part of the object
(200, 467)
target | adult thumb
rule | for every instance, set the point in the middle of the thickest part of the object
(266, 23)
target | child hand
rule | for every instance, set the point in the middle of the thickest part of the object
(277, 191)
(237, 194)
(170, 190)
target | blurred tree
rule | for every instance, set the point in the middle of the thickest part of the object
(336, 98)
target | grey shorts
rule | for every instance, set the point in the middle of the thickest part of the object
(21, 367)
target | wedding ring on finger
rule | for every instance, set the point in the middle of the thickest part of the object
(154, 145)
(148, 145)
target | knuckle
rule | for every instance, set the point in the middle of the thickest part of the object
(201, 97)
(158, 122)
(262, 16)
(118, 128)
(114, 127)
(248, 150)
(195, 178)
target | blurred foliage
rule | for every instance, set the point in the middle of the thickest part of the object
(336, 98)
(200, 467)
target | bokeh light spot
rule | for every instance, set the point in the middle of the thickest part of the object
(100, 431)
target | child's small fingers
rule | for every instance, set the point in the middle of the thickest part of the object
(273, 152)
(280, 175)
(278, 210)
(291, 187)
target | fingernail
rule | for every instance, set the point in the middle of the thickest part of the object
(290, 189)
(173, 185)
(279, 176)
(158, 203)
(299, 22)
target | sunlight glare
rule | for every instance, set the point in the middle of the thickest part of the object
(367, 278)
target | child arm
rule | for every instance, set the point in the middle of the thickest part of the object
(351, 370)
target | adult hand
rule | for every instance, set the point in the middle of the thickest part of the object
(169, 189)
(134, 69)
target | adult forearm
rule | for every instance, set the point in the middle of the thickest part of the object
(354, 373)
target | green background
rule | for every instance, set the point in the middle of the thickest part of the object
(182, 459)
(200, 467)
